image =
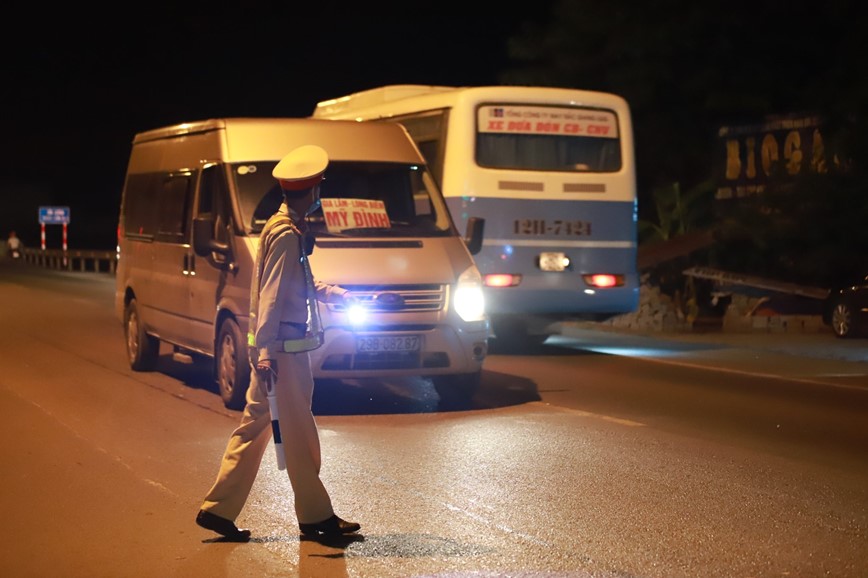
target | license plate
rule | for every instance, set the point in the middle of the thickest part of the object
(374, 344)
(552, 261)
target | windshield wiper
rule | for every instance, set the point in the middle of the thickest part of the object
(382, 231)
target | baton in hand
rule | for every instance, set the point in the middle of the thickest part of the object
(270, 392)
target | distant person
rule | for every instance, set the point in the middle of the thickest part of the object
(285, 326)
(14, 245)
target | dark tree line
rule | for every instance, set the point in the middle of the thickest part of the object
(688, 68)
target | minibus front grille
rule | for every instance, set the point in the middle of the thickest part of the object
(397, 298)
(395, 327)
(384, 360)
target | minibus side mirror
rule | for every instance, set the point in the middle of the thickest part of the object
(203, 242)
(473, 237)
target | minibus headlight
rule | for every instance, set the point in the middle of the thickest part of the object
(357, 314)
(469, 302)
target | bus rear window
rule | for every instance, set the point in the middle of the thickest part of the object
(546, 138)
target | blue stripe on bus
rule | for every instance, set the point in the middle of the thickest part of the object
(609, 220)
(559, 243)
(597, 236)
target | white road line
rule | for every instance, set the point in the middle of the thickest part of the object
(583, 413)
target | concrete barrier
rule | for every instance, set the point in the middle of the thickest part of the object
(657, 312)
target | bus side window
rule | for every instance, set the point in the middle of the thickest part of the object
(422, 204)
(428, 130)
(429, 151)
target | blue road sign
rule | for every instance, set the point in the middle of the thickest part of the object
(54, 215)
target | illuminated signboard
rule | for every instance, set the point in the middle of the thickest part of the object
(54, 215)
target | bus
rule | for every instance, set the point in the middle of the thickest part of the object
(551, 172)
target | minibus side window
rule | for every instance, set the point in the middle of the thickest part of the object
(173, 199)
(140, 211)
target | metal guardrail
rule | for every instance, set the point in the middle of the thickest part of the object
(74, 260)
(738, 279)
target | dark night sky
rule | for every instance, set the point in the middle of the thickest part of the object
(78, 85)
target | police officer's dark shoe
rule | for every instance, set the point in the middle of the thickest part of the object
(333, 526)
(222, 526)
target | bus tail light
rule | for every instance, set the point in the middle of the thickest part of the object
(502, 280)
(604, 280)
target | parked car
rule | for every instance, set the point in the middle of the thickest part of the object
(846, 309)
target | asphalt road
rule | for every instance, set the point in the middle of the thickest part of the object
(599, 454)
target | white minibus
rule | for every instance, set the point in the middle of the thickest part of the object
(195, 199)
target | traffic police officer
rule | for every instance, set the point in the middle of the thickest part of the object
(284, 326)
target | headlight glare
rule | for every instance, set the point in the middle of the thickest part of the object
(357, 314)
(469, 301)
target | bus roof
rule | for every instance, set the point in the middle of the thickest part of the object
(391, 100)
(375, 96)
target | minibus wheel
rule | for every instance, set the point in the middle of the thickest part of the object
(232, 368)
(143, 350)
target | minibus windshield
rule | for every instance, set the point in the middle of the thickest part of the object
(359, 199)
